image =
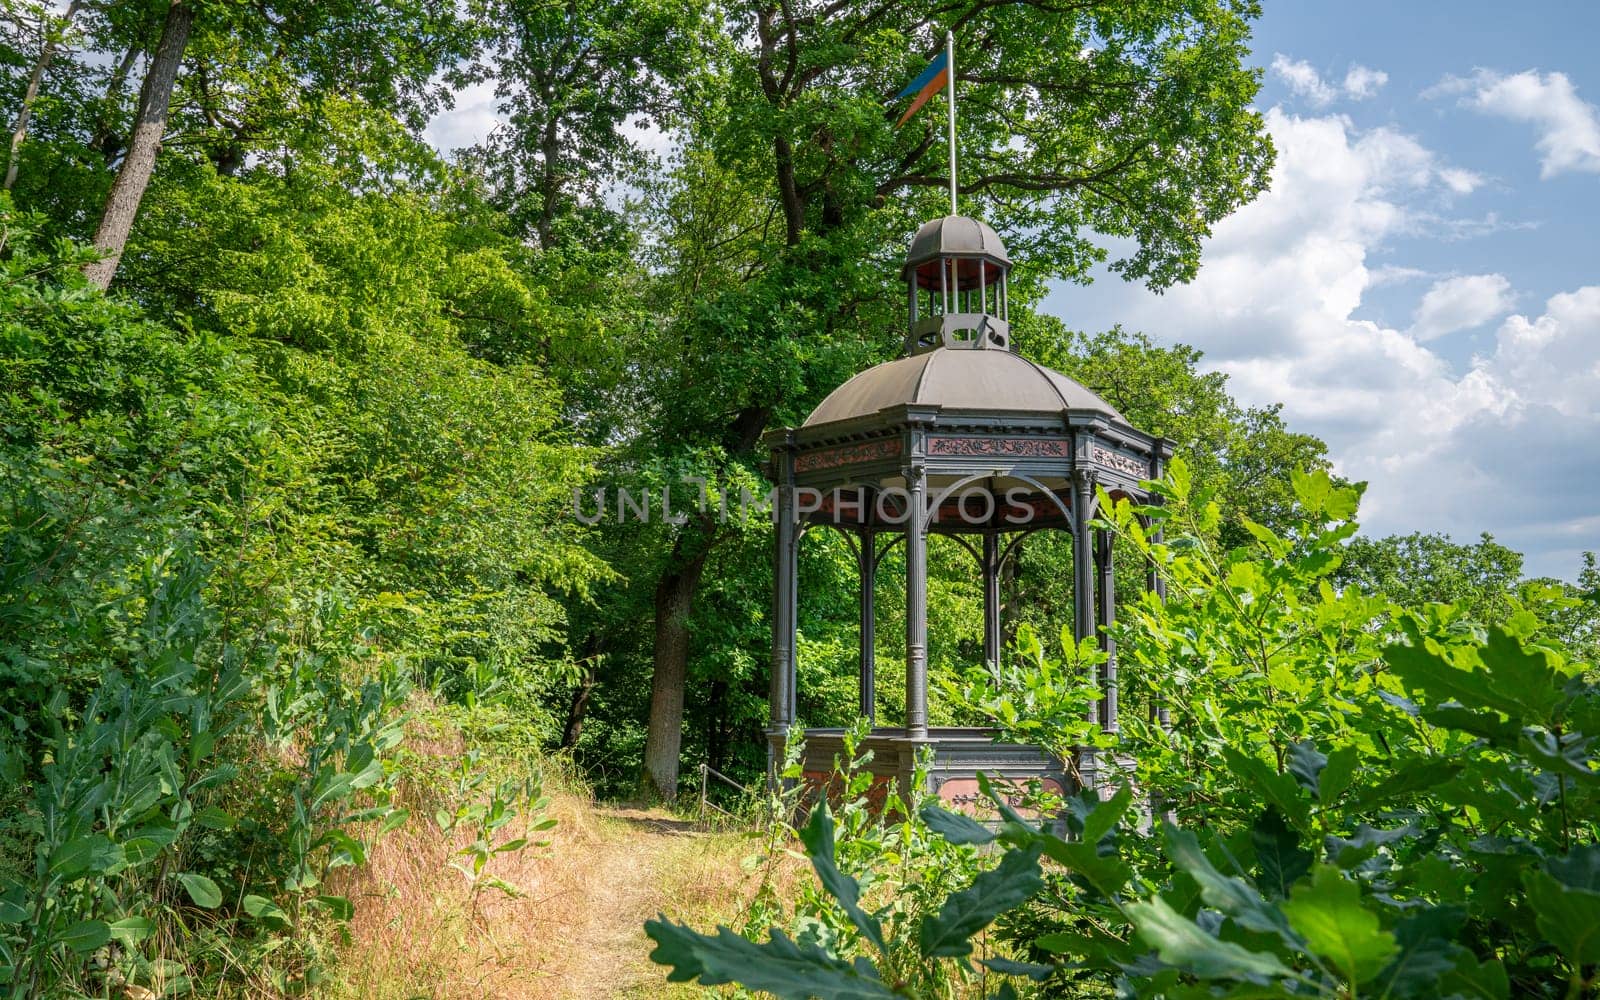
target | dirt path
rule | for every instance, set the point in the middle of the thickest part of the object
(644, 864)
(573, 929)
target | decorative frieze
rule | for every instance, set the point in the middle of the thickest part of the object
(1013, 447)
(1119, 462)
(847, 454)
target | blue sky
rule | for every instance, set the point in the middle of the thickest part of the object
(1421, 287)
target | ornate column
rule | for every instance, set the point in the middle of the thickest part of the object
(867, 573)
(1083, 565)
(991, 600)
(780, 693)
(1107, 600)
(916, 603)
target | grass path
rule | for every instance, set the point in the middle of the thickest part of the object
(649, 863)
(575, 931)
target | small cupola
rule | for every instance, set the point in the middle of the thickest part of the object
(955, 275)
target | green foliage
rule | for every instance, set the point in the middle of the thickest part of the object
(484, 816)
(1375, 801)
(230, 548)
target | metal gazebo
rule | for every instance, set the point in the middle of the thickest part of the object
(912, 447)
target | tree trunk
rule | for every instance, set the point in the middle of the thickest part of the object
(549, 181)
(47, 52)
(579, 706)
(155, 97)
(674, 598)
(673, 602)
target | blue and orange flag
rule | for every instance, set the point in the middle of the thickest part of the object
(925, 86)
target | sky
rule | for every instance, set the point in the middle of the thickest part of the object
(1421, 286)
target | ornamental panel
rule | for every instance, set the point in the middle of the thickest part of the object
(847, 454)
(987, 447)
(1119, 462)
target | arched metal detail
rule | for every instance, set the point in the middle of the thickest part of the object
(849, 536)
(1011, 546)
(1047, 491)
(898, 536)
(968, 546)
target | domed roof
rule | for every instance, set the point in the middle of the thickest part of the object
(955, 235)
(994, 380)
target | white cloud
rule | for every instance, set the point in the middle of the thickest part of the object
(1303, 80)
(469, 122)
(1362, 82)
(1460, 181)
(1507, 443)
(1568, 126)
(1461, 304)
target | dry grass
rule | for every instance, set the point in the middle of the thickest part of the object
(576, 930)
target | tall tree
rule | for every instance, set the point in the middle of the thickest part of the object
(254, 71)
(51, 30)
(150, 125)
(580, 82)
(1078, 122)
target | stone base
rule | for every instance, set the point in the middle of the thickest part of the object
(958, 756)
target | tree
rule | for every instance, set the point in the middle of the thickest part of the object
(51, 30)
(1145, 133)
(155, 96)
(1417, 569)
(254, 69)
(571, 78)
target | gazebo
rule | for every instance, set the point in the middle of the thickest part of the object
(960, 436)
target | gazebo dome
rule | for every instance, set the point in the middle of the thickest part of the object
(956, 379)
(955, 236)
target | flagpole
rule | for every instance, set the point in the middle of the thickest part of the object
(950, 76)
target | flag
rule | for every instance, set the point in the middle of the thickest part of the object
(925, 86)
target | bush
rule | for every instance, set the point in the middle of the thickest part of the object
(1370, 800)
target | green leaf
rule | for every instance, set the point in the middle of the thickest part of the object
(817, 836)
(1178, 942)
(265, 910)
(213, 818)
(1106, 872)
(132, 930)
(1516, 680)
(1327, 912)
(1011, 883)
(86, 936)
(1568, 917)
(1306, 763)
(1427, 952)
(1413, 776)
(395, 819)
(1106, 816)
(955, 827)
(339, 907)
(1276, 789)
(202, 890)
(1349, 852)
(1579, 869)
(332, 787)
(93, 854)
(1232, 896)
(1566, 756)
(1012, 967)
(786, 969)
(1337, 775)
(1476, 980)
(1283, 861)
(1491, 726)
